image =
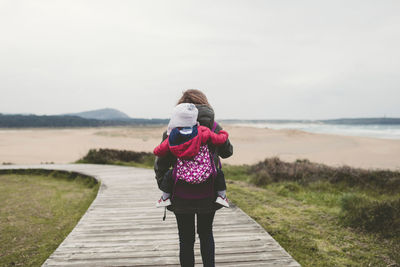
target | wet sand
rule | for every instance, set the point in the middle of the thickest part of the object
(25, 146)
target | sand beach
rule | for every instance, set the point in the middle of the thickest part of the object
(40, 145)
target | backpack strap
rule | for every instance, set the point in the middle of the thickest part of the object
(214, 127)
(175, 180)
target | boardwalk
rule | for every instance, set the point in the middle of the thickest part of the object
(123, 228)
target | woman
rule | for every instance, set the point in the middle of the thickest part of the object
(186, 209)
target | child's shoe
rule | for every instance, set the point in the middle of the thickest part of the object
(163, 202)
(222, 201)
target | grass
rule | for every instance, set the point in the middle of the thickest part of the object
(38, 210)
(310, 220)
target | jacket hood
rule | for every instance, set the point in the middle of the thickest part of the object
(188, 149)
(205, 116)
(191, 147)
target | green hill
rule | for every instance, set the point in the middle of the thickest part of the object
(102, 114)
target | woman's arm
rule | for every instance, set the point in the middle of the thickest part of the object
(215, 138)
(226, 149)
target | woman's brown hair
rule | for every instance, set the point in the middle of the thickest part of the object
(194, 96)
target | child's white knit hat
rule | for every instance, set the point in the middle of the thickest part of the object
(183, 115)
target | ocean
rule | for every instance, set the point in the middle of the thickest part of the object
(385, 131)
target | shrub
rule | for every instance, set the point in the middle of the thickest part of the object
(371, 215)
(261, 178)
(305, 172)
(108, 156)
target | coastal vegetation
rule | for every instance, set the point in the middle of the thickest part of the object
(322, 215)
(113, 117)
(23, 121)
(39, 208)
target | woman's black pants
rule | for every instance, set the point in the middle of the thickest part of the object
(186, 228)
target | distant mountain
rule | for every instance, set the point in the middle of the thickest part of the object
(101, 114)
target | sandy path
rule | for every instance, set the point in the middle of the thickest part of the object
(31, 146)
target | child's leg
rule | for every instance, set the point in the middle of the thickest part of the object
(220, 184)
(166, 184)
(220, 187)
(165, 195)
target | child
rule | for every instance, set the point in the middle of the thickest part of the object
(188, 141)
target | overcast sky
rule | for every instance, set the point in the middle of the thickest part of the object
(253, 59)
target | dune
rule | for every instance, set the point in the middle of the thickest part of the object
(251, 145)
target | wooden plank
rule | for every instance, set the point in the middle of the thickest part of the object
(122, 227)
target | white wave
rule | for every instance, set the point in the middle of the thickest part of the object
(377, 131)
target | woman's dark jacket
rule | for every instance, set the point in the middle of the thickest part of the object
(163, 164)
